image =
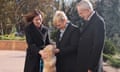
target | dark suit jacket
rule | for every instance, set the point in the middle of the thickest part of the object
(66, 59)
(36, 40)
(91, 44)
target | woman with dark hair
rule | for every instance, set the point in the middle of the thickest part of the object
(37, 38)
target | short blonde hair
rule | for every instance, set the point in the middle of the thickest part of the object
(59, 16)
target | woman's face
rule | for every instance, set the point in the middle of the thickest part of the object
(37, 20)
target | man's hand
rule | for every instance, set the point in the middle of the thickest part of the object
(89, 70)
(56, 50)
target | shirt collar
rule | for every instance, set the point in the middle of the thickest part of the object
(91, 15)
(62, 30)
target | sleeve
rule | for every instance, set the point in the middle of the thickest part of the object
(31, 45)
(98, 43)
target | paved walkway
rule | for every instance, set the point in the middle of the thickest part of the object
(13, 61)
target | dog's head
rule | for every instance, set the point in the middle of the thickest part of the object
(49, 49)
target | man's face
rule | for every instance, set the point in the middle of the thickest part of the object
(60, 24)
(83, 13)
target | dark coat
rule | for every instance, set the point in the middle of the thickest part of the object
(91, 44)
(36, 39)
(66, 59)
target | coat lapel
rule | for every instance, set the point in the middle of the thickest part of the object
(66, 33)
(86, 24)
(37, 33)
(84, 27)
(57, 37)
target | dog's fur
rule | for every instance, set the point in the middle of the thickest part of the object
(50, 61)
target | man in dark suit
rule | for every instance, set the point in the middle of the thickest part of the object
(67, 42)
(91, 39)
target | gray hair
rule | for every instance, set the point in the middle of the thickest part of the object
(85, 4)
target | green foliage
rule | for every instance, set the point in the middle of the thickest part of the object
(53, 35)
(11, 37)
(109, 52)
(109, 48)
(115, 62)
(116, 40)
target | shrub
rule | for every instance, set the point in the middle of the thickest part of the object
(115, 62)
(109, 48)
(53, 35)
(11, 37)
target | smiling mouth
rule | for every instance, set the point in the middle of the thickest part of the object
(38, 23)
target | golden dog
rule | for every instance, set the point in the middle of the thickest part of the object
(50, 60)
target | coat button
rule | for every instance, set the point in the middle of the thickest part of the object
(80, 38)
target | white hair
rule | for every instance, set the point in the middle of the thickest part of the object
(85, 4)
(59, 16)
